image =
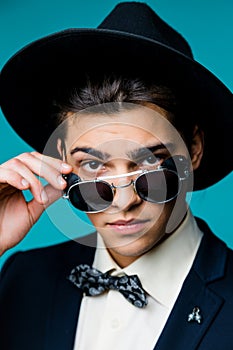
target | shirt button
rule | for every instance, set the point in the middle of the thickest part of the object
(115, 323)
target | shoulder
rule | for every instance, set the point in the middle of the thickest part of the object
(208, 232)
(214, 260)
(211, 242)
(50, 258)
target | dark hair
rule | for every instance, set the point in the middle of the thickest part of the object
(102, 92)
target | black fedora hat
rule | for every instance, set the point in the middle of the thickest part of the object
(132, 37)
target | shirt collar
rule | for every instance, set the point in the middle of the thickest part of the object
(171, 262)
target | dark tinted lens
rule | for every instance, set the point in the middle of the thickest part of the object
(91, 196)
(158, 186)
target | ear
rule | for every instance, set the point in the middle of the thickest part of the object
(61, 150)
(197, 147)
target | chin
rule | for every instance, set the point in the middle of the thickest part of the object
(135, 249)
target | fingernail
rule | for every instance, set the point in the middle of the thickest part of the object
(25, 183)
(60, 180)
(65, 166)
(44, 196)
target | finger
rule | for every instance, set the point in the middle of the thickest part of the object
(58, 164)
(17, 168)
(12, 178)
(52, 195)
(36, 209)
(45, 170)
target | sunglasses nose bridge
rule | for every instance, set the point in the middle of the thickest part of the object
(123, 185)
(125, 195)
(120, 189)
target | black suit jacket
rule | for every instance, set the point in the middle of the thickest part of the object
(39, 307)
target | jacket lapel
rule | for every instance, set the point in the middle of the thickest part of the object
(63, 317)
(178, 333)
(197, 291)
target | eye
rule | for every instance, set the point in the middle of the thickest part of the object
(91, 166)
(152, 160)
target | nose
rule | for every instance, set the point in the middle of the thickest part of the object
(125, 196)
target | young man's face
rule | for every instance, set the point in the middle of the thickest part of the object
(107, 145)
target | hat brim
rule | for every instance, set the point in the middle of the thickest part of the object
(28, 79)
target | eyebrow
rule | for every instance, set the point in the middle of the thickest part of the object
(91, 151)
(143, 152)
(134, 155)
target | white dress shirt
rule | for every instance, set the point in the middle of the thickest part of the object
(110, 322)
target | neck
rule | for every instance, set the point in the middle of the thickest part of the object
(122, 260)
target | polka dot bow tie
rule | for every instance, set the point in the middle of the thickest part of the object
(93, 282)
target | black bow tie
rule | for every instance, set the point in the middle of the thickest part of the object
(93, 282)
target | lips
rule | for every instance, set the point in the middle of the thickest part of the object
(124, 222)
(128, 226)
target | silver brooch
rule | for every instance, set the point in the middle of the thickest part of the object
(195, 316)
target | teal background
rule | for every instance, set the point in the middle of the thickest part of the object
(206, 24)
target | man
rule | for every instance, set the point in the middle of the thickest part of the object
(121, 137)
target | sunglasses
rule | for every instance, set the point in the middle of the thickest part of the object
(156, 186)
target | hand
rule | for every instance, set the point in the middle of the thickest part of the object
(17, 216)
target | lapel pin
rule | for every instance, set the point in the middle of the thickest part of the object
(195, 316)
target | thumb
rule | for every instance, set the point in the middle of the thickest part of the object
(50, 195)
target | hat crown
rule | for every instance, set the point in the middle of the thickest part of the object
(139, 19)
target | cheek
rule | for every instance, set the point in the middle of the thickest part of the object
(157, 212)
(160, 214)
(97, 219)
